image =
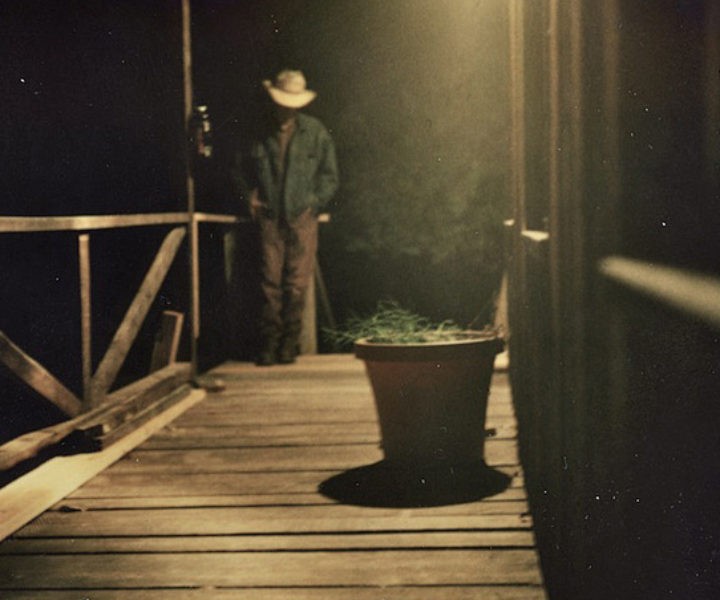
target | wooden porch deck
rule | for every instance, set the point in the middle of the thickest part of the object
(224, 503)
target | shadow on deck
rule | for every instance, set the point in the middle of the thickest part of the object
(224, 503)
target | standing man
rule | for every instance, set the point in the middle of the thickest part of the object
(293, 176)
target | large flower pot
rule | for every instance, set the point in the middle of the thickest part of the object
(431, 398)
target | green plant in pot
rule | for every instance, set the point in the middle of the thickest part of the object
(430, 383)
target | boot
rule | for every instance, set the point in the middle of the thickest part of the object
(268, 354)
(288, 351)
(266, 358)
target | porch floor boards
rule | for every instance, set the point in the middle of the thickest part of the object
(223, 503)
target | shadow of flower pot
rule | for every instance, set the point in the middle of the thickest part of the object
(389, 485)
(431, 400)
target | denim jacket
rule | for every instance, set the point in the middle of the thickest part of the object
(311, 173)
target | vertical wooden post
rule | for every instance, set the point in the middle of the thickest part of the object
(712, 98)
(517, 99)
(190, 186)
(85, 318)
(308, 332)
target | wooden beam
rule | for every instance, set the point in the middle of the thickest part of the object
(308, 331)
(193, 242)
(168, 340)
(38, 377)
(322, 295)
(694, 294)
(374, 541)
(125, 335)
(87, 222)
(125, 404)
(121, 406)
(517, 107)
(85, 317)
(135, 420)
(94, 222)
(25, 498)
(391, 568)
(712, 93)
(362, 592)
(201, 217)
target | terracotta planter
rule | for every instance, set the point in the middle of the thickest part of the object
(431, 398)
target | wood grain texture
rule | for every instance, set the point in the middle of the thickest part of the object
(234, 521)
(27, 497)
(120, 407)
(186, 436)
(76, 503)
(276, 569)
(283, 458)
(167, 341)
(224, 503)
(485, 592)
(37, 377)
(255, 543)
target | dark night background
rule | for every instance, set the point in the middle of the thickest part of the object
(413, 91)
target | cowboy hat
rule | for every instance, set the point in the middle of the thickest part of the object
(289, 89)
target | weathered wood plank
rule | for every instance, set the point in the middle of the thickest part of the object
(253, 406)
(325, 384)
(86, 222)
(120, 407)
(137, 419)
(275, 378)
(276, 569)
(26, 446)
(333, 363)
(330, 365)
(130, 485)
(314, 390)
(367, 592)
(495, 505)
(38, 377)
(235, 521)
(168, 340)
(283, 417)
(497, 452)
(265, 460)
(28, 496)
(257, 543)
(126, 403)
(85, 317)
(178, 436)
(299, 415)
(146, 501)
(287, 500)
(255, 527)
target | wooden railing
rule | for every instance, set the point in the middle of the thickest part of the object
(98, 409)
(694, 294)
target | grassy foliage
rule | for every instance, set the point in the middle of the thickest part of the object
(391, 324)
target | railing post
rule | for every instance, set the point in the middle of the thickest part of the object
(85, 318)
(190, 188)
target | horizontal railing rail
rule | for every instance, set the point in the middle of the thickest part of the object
(10, 224)
(695, 294)
(97, 385)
